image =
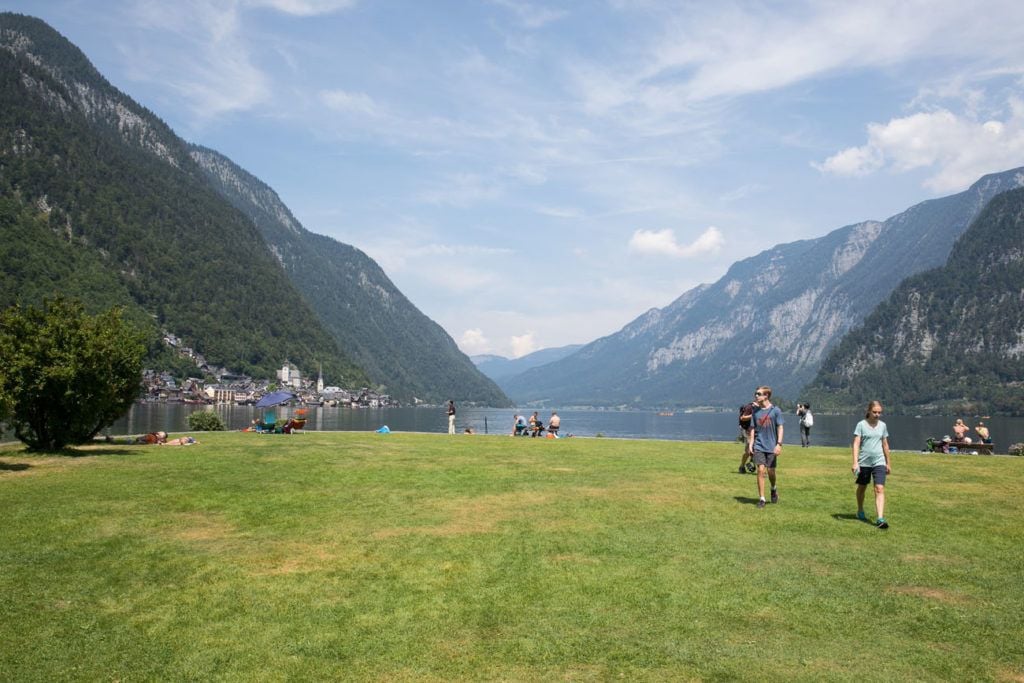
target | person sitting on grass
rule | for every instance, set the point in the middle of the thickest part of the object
(536, 426)
(519, 426)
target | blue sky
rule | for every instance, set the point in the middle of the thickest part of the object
(534, 174)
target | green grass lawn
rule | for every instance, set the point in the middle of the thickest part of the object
(427, 557)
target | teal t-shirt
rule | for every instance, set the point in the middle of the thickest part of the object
(871, 454)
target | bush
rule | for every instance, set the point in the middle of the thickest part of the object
(66, 374)
(1016, 449)
(205, 421)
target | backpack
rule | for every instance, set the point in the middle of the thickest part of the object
(808, 419)
(747, 411)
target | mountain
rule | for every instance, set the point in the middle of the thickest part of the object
(371, 319)
(950, 338)
(103, 203)
(100, 200)
(770, 320)
(500, 368)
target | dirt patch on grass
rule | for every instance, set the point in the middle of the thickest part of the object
(938, 594)
(477, 515)
(196, 527)
(1008, 676)
(295, 558)
(573, 558)
(932, 559)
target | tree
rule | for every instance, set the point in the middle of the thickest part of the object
(67, 375)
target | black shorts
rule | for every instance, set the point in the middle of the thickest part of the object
(865, 474)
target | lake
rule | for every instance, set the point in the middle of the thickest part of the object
(905, 433)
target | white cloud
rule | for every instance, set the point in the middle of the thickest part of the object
(350, 102)
(523, 344)
(531, 15)
(304, 8)
(214, 74)
(852, 161)
(958, 149)
(461, 190)
(474, 342)
(663, 243)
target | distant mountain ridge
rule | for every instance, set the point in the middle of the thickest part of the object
(770, 320)
(100, 200)
(500, 368)
(947, 339)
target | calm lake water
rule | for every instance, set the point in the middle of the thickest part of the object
(905, 433)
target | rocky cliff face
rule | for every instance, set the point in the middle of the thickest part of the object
(950, 338)
(770, 320)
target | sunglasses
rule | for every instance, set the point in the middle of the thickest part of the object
(760, 393)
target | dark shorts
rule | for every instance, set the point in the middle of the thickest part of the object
(867, 473)
(766, 459)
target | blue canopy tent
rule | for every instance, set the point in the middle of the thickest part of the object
(275, 398)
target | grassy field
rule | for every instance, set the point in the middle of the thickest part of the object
(425, 557)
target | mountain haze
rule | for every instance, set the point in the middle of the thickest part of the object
(950, 338)
(770, 320)
(501, 369)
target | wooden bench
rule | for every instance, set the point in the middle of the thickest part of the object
(963, 447)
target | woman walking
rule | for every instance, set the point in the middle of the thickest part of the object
(871, 461)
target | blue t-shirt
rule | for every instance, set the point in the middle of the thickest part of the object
(871, 453)
(765, 423)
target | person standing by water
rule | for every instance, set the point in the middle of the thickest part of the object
(806, 422)
(451, 417)
(765, 441)
(871, 461)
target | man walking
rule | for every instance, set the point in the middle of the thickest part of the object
(765, 441)
(451, 417)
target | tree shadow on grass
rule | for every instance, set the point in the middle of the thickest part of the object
(14, 466)
(89, 451)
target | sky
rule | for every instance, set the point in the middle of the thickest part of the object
(535, 174)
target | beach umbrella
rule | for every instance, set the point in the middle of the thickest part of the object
(275, 398)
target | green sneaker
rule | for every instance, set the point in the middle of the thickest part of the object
(881, 523)
(861, 516)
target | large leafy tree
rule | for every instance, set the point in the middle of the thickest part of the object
(66, 374)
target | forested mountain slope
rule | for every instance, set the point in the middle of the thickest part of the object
(104, 203)
(948, 339)
(372, 320)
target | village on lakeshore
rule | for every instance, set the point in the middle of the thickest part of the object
(238, 389)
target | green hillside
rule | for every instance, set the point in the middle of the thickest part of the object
(100, 200)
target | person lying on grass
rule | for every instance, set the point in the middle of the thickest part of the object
(180, 441)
